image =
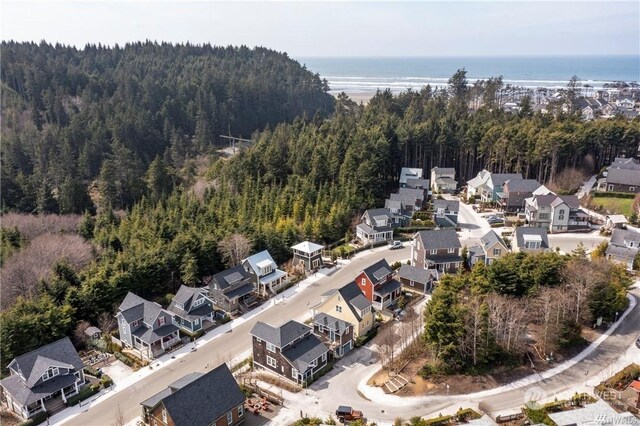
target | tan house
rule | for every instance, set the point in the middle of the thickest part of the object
(350, 305)
(491, 248)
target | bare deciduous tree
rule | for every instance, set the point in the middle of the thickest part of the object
(79, 334)
(118, 419)
(234, 248)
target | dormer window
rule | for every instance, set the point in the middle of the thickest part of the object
(198, 302)
(135, 323)
(451, 250)
(161, 321)
(51, 372)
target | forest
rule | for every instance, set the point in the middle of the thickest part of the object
(124, 138)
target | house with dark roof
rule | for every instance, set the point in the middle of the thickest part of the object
(145, 326)
(445, 213)
(308, 255)
(515, 192)
(212, 398)
(623, 247)
(443, 180)
(412, 199)
(409, 173)
(488, 185)
(416, 279)
(376, 226)
(233, 290)
(623, 175)
(337, 334)
(530, 239)
(268, 279)
(377, 283)
(438, 249)
(348, 304)
(39, 377)
(291, 351)
(418, 183)
(191, 309)
(491, 247)
(557, 213)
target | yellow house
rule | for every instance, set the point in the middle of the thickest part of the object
(350, 305)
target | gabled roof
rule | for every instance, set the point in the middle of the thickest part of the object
(418, 193)
(619, 236)
(481, 178)
(307, 247)
(617, 218)
(498, 179)
(378, 270)
(205, 399)
(231, 276)
(624, 176)
(491, 238)
(388, 287)
(280, 336)
(523, 232)
(302, 353)
(331, 322)
(620, 251)
(258, 258)
(443, 171)
(439, 239)
(408, 172)
(382, 212)
(521, 185)
(393, 204)
(569, 200)
(185, 297)
(178, 384)
(451, 205)
(354, 298)
(134, 307)
(413, 273)
(414, 183)
(34, 364)
(544, 200)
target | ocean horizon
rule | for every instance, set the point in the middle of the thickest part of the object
(361, 75)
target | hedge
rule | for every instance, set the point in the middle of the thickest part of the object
(106, 381)
(362, 340)
(85, 393)
(613, 195)
(191, 335)
(92, 372)
(412, 229)
(41, 417)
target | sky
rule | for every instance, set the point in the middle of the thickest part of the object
(328, 29)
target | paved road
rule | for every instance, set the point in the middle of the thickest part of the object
(226, 346)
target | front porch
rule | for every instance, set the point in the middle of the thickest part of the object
(50, 403)
(158, 347)
(272, 283)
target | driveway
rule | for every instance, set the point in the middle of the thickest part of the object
(473, 225)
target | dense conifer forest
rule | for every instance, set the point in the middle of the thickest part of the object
(126, 136)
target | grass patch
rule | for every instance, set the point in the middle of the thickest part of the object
(613, 205)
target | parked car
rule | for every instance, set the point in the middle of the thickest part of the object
(347, 414)
(395, 245)
(638, 343)
(494, 220)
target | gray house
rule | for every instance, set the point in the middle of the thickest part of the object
(290, 351)
(233, 290)
(623, 247)
(445, 213)
(439, 250)
(191, 308)
(623, 175)
(515, 192)
(43, 379)
(307, 254)
(377, 225)
(267, 278)
(145, 326)
(336, 333)
(530, 239)
(416, 279)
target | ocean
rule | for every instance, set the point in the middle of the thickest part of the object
(366, 75)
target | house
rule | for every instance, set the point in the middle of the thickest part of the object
(308, 255)
(336, 333)
(412, 199)
(514, 192)
(347, 303)
(443, 180)
(438, 249)
(93, 332)
(378, 285)
(145, 326)
(557, 213)
(409, 173)
(488, 185)
(416, 279)
(398, 209)
(191, 308)
(377, 225)
(530, 239)
(445, 213)
(614, 221)
(625, 102)
(291, 351)
(623, 247)
(623, 175)
(491, 247)
(418, 183)
(233, 290)
(597, 413)
(267, 278)
(212, 398)
(39, 377)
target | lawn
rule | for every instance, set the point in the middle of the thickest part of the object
(614, 205)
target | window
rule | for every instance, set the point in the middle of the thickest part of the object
(364, 281)
(294, 373)
(433, 251)
(543, 216)
(271, 347)
(161, 320)
(632, 188)
(230, 417)
(164, 416)
(630, 243)
(51, 372)
(271, 362)
(124, 326)
(451, 250)
(447, 265)
(418, 245)
(324, 357)
(561, 214)
(497, 251)
(196, 321)
(135, 323)
(240, 410)
(266, 269)
(338, 309)
(198, 302)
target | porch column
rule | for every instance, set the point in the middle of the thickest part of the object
(42, 405)
(63, 396)
(76, 385)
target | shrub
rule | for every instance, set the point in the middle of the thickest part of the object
(106, 381)
(83, 394)
(35, 420)
(330, 420)
(363, 339)
(92, 372)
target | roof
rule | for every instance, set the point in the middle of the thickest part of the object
(530, 231)
(622, 252)
(619, 236)
(592, 414)
(415, 182)
(413, 273)
(439, 239)
(304, 352)
(617, 218)
(451, 205)
(231, 276)
(149, 335)
(240, 291)
(521, 185)
(544, 200)
(625, 171)
(476, 252)
(388, 287)
(275, 275)
(205, 399)
(446, 181)
(32, 365)
(352, 295)
(134, 307)
(408, 172)
(185, 297)
(307, 247)
(332, 323)
(635, 385)
(491, 238)
(481, 178)
(393, 204)
(25, 395)
(280, 336)
(542, 190)
(443, 170)
(178, 384)
(92, 330)
(257, 258)
(570, 200)
(498, 179)
(378, 270)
